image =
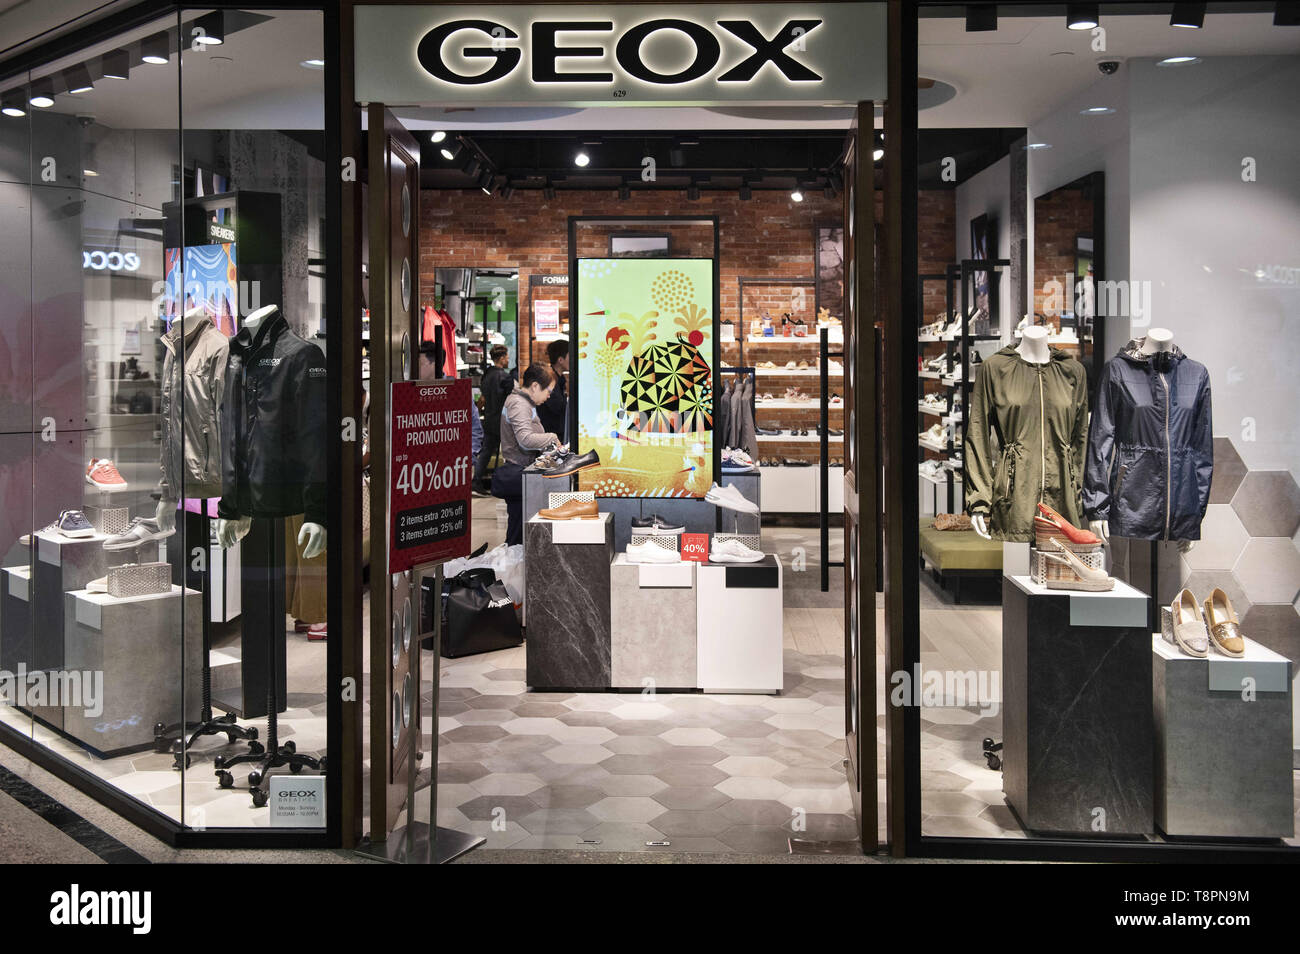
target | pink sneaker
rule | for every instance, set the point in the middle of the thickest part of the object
(102, 473)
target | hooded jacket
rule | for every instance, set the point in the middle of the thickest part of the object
(193, 387)
(273, 426)
(1151, 446)
(1039, 416)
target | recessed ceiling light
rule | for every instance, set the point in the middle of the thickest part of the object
(1097, 111)
(437, 136)
(313, 64)
(155, 49)
(42, 95)
(1178, 61)
(1081, 16)
(581, 159)
(797, 195)
(1190, 16)
(1039, 145)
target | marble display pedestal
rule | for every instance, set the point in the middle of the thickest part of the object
(15, 617)
(740, 627)
(652, 632)
(1078, 753)
(135, 643)
(1223, 755)
(567, 589)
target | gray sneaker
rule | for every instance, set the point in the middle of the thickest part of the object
(73, 523)
(142, 530)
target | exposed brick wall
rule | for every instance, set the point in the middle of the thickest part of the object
(1059, 218)
(936, 229)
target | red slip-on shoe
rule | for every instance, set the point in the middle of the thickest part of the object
(1048, 523)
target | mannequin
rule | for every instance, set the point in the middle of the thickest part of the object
(1158, 340)
(311, 538)
(166, 513)
(1033, 348)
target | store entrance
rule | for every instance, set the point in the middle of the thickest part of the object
(658, 312)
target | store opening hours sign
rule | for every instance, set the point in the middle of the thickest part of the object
(429, 473)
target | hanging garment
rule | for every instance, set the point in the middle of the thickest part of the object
(722, 417)
(1038, 414)
(449, 347)
(193, 386)
(746, 436)
(1151, 446)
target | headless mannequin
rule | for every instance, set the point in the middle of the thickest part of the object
(311, 538)
(1158, 340)
(1033, 348)
(166, 513)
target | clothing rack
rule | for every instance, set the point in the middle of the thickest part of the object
(824, 516)
(753, 377)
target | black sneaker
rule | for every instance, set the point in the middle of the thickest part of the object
(655, 525)
(572, 464)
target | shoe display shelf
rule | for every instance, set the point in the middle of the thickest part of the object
(958, 348)
(1077, 715)
(1223, 757)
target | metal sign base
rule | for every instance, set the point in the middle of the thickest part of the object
(409, 845)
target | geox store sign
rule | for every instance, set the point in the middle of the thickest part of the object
(634, 54)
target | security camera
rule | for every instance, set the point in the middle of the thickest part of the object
(1108, 67)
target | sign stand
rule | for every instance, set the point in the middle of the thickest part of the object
(417, 842)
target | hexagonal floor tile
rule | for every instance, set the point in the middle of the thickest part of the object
(1222, 538)
(687, 774)
(484, 716)
(690, 736)
(567, 796)
(491, 807)
(506, 784)
(476, 733)
(746, 786)
(578, 754)
(592, 734)
(694, 754)
(1228, 471)
(642, 710)
(1268, 502)
(811, 777)
(691, 798)
(637, 726)
(586, 717)
(636, 745)
(627, 808)
(757, 811)
(677, 822)
(533, 725)
(632, 764)
(797, 720)
(1269, 570)
(559, 821)
(744, 729)
(756, 766)
(760, 841)
(646, 785)
(818, 800)
(460, 773)
(540, 710)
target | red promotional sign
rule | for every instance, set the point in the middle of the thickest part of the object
(695, 546)
(429, 473)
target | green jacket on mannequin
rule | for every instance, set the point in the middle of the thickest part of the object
(1026, 440)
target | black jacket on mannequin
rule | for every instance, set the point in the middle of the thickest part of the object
(273, 426)
(1151, 446)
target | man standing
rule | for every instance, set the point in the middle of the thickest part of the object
(494, 386)
(554, 413)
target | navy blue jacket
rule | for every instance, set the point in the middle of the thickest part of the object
(1150, 446)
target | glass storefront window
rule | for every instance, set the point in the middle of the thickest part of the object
(1108, 457)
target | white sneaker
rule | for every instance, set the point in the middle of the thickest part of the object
(729, 498)
(647, 551)
(732, 551)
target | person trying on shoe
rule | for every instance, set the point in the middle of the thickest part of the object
(522, 438)
(494, 387)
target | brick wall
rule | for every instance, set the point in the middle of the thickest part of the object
(936, 229)
(1059, 218)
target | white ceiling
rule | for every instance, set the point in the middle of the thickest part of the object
(1025, 69)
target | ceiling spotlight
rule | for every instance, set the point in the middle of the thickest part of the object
(437, 136)
(78, 79)
(692, 192)
(981, 17)
(155, 49)
(582, 159)
(624, 192)
(42, 95)
(1287, 13)
(12, 104)
(472, 167)
(115, 65)
(878, 153)
(1178, 61)
(89, 173)
(485, 181)
(507, 191)
(449, 151)
(1190, 16)
(797, 194)
(313, 64)
(1035, 146)
(210, 29)
(1081, 16)
(548, 191)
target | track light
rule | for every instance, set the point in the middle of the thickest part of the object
(155, 49)
(485, 181)
(1081, 16)
(449, 151)
(797, 194)
(692, 192)
(437, 136)
(1190, 16)
(624, 192)
(507, 191)
(77, 79)
(116, 65)
(42, 94)
(472, 167)
(582, 159)
(210, 29)
(981, 17)
(12, 105)
(1287, 13)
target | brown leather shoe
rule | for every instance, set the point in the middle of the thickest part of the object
(572, 509)
(1221, 620)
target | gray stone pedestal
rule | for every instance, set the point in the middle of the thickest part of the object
(137, 643)
(567, 599)
(1223, 745)
(1078, 753)
(652, 633)
(15, 617)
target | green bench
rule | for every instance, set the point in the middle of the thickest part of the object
(955, 555)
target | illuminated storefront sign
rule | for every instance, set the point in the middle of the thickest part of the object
(96, 260)
(639, 54)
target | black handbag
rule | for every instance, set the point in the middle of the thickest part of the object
(478, 615)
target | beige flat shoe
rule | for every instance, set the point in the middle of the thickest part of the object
(1221, 620)
(1189, 627)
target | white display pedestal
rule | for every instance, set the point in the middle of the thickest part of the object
(740, 626)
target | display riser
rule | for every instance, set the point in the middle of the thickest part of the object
(567, 593)
(740, 627)
(15, 617)
(1223, 754)
(652, 636)
(1079, 748)
(798, 489)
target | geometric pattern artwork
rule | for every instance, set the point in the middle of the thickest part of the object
(670, 384)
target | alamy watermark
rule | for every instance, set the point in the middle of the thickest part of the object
(62, 688)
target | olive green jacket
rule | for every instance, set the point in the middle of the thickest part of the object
(1026, 439)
